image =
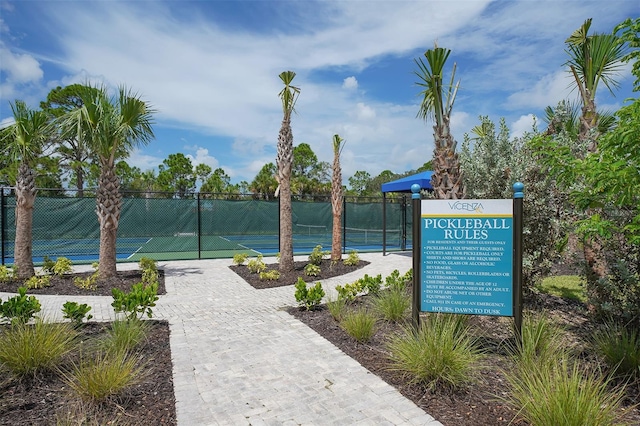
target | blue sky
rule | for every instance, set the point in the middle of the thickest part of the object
(211, 69)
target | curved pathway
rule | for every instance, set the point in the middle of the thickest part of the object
(239, 359)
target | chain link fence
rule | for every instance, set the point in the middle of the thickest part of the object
(202, 225)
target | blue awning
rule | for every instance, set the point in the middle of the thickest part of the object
(404, 185)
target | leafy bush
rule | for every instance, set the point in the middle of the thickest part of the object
(125, 335)
(105, 375)
(310, 297)
(392, 304)
(397, 281)
(76, 312)
(440, 353)
(317, 255)
(359, 324)
(38, 281)
(149, 270)
(59, 267)
(352, 259)
(366, 284)
(139, 300)
(562, 393)
(256, 265)
(20, 308)
(272, 275)
(29, 349)
(620, 348)
(311, 270)
(7, 273)
(89, 283)
(239, 258)
(617, 296)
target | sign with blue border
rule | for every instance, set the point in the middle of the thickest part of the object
(467, 257)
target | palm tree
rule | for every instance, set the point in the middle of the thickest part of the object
(24, 141)
(336, 200)
(592, 59)
(284, 160)
(437, 103)
(110, 126)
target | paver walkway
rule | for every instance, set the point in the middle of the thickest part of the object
(238, 359)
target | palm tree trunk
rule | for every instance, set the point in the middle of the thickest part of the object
(108, 205)
(336, 205)
(447, 176)
(284, 161)
(25, 200)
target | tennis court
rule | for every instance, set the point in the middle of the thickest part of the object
(189, 245)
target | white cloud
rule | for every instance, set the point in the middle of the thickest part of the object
(350, 83)
(20, 68)
(522, 125)
(547, 91)
(143, 161)
(364, 112)
(202, 157)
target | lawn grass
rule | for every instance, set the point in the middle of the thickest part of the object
(567, 286)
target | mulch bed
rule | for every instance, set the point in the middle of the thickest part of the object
(327, 270)
(64, 285)
(45, 399)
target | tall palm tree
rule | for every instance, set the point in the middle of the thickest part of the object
(592, 59)
(24, 141)
(284, 160)
(110, 126)
(336, 200)
(437, 103)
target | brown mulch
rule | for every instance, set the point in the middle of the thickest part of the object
(327, 270)
(64, 285)
(46, 399)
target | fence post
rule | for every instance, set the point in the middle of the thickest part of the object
(518, 215)
(199, 225)
(3, 221)
(344, 225)
(416, 204)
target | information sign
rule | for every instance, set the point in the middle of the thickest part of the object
(467, 257)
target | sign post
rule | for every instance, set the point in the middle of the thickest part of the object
(415, 201)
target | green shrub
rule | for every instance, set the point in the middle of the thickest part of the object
(149, 269)
(7, 273)
(317, 255)
(125, 335)
(337, 308)
(311, 270)
(310, 297)
(562, 393)
(20, 308)
(440, 353)
(89, 283)
(272, 275)
(365, 284)
(27, 349)
(359, 324)
(138, 301)
(62, 266)
(617, 295)
(104, 375)
(392, 304)
(37, 281)
(76, 312)
(256, 265)
(239, 258)
(352, 259)
(620, 348)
